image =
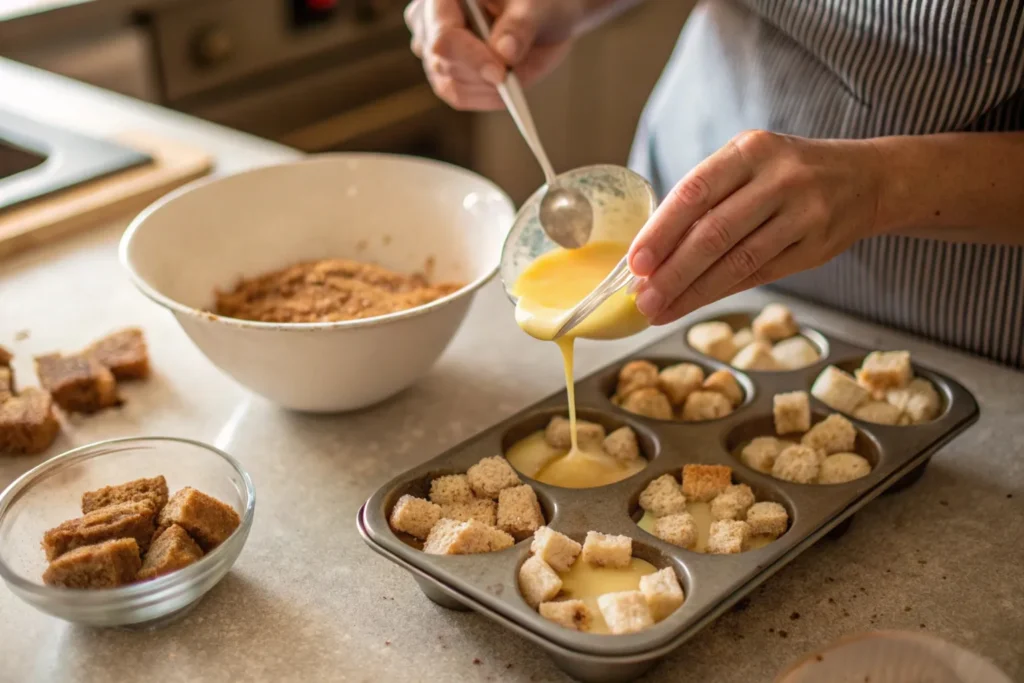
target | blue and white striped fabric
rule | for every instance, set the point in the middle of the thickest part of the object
(854, 69)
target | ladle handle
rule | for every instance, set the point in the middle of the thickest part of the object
(512, 95)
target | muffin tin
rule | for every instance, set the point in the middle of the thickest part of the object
(712, 583)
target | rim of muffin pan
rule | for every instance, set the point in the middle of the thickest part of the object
(850, 363)
(866, 444)
(766, 490)
(420, 488)
(737, 320)
(642, 549)
(609, 381)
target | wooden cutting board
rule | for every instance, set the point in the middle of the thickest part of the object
(99, 201)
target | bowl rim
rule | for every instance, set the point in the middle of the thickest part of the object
(179, 308)
(137, 591)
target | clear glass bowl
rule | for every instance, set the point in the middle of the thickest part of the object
(51, 493)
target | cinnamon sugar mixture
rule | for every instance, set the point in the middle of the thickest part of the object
(328, 291)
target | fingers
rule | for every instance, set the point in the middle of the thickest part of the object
(515, 31)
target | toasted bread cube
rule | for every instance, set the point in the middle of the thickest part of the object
(124, 520)
(206, 519)
(519, 512)
(451, 488)
(27, 423)
(702, 405)
(634, 375)
(756, 356)
(663, 593)
(702, 483)
(884, 370)
(555, 548)
(558, 433)
(732, 503)
(792, 412)
(538, 581)
(795, 353)
(604, 550)
(918, 400)
(108, 564)
(451, 537)
(724, 382)
(743, 337)
(663, 496)
(767, 519)
(414, 516)
(572, 614)
(622, 445)
(839, 390)
(760, 454)
(625, 612)
(153, 490)
(679, 381)
(798, 464)
(728, 537)
(489, 476)
(713, 339)
(678, 529)
(649, 403)
(483, 510)
(78, 384)
(124, 353)
(834, 434)
(172, 550)
(774, 323)
(839, 468)
(878, 412)
(7, 388)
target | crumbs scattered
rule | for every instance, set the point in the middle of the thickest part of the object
(944, 503)
(1009, 495)
(476, 660)
(387, 643)
(794, 616)
(771, 630)
(819, 658)
(783, 634)
(922, 561)
(907, 608)
(509, 665)
(829, 579)
(742, 605)
(22, 335)
(831, 601)
(923, 626)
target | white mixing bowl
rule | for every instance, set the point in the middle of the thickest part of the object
(391, 210)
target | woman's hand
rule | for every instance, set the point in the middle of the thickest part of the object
(763, 207)
(530, 36)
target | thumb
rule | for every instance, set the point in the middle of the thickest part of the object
(515, 30)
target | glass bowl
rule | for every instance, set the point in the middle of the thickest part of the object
(51, 493)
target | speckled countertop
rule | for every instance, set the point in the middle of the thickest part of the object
(308, 601)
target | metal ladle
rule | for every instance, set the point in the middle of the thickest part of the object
(565, 213)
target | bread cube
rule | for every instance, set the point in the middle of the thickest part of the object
(604, 550)
(634, 375)
(767, 519)
(756, 356)
(108, 564)
(489, 476)
(918, 400)
(798, 464)
(843, 467)
(702, 405)
(649, 403)
(519, 512)
(723, 382)
(678, 529)
(451, 488)
(124, 520)
(622, 445)
(795, 353)
(172, 550)
(878, 412)
(743, 337)
(558, 433)
(153, 491)
(572, 614)
(483, 510)
(78, 383)
(728, 537)
(679, 381)
(663, 496)
(555, 548)
(414, 516)
(713, 339)
(538, 582)
(760, 454)
(834, 434)
(732, 503)
(451, 537)
(792, 412)
(27, 423)
(884, 370)
(625, 612)
(663, 593)
(839, 390)
(124, 353)
(206, 519)
(774, 323)
(702, 483)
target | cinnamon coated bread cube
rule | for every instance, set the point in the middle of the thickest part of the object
(172, 550)
(153, 490)
(123, 520)
(27, 423)
(78, 383)
(206, 519)
(108, 564)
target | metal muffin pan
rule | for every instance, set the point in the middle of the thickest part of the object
(488, 583)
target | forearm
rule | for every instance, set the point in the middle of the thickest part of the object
(599, 12)
(961, 187)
